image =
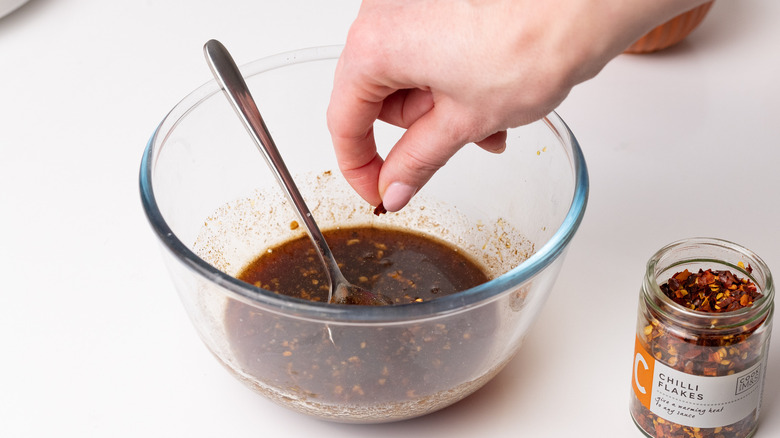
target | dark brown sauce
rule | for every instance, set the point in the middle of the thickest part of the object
(362, 365)
(403, 266)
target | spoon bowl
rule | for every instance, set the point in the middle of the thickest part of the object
(232, 82)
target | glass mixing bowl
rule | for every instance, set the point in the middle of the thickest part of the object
(215, 206)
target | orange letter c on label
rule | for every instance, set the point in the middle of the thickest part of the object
(644, 366)
(637, 360)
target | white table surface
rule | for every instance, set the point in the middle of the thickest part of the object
(93, 339)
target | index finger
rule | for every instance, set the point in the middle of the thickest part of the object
(355, 104)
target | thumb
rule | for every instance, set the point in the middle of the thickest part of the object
(423, 149)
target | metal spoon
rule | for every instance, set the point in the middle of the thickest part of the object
(229, 77)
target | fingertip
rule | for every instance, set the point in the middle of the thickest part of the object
(397, 195)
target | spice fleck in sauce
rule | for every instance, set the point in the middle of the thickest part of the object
(404, 266)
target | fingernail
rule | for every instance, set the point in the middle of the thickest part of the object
(397, 196)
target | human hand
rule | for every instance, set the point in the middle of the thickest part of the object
(454, 72)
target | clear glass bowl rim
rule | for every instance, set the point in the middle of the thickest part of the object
(298, 308)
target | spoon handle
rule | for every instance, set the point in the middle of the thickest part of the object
(229, 77)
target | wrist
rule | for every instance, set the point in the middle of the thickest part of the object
(600, 30)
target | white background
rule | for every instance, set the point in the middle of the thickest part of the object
(93, 339)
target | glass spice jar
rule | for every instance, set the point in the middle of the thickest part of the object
(702, 341)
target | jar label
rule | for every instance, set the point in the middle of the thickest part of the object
(695, 401)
